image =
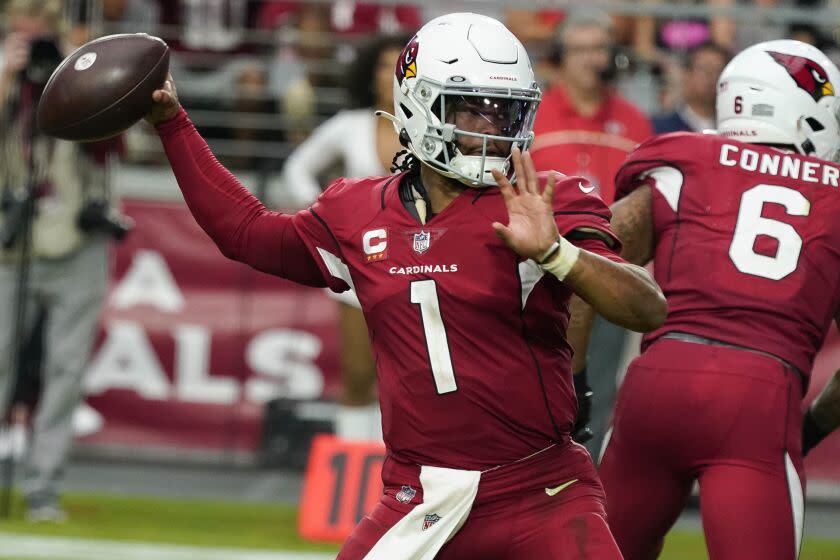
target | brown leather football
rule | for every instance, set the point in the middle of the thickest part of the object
(104, 87)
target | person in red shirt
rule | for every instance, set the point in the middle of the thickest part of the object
(465, 290)
(584, 127)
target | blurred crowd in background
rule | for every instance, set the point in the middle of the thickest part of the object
(265, 73)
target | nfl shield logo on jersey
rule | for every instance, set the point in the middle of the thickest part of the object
(430, 520)
(422, 240)
(406, 494)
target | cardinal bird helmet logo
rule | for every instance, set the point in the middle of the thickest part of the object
(807, 74)
(407, 62)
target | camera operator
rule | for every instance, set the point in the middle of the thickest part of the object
(72, 225)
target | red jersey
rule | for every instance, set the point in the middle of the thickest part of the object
(469, 339)
(592, 147)
(747, 241)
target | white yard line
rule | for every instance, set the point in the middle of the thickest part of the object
(63, 548)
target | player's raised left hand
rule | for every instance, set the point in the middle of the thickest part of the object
(531, 229)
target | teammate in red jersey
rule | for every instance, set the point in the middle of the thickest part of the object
(465, 290)
(744, 238)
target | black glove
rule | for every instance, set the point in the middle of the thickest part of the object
(812, 434)
(582, 433)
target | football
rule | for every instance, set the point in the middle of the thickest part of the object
(103, 87)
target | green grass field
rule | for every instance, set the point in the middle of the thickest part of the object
(194, 522)
(251, 526)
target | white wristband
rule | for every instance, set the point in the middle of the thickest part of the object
(563, 261)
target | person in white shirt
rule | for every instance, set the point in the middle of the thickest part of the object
(363, 145)
(357, 140)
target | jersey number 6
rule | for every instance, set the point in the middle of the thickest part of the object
(751, 224)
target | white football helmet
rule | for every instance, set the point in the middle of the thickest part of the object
(474, 65)
(782, 93)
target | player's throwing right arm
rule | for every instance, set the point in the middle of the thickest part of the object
(242, 228)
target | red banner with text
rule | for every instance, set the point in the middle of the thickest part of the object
(191, 344)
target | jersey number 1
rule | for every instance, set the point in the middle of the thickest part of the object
(424, 294)
(751, 224)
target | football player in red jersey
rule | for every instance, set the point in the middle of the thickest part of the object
(465, 290)
(743, 233)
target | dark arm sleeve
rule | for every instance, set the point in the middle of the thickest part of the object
(240, 226)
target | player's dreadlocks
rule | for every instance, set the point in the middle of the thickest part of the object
(412, 191)
(408, 163)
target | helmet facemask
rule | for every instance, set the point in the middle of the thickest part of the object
(472, 131)
(479, 132)
(823, 136)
